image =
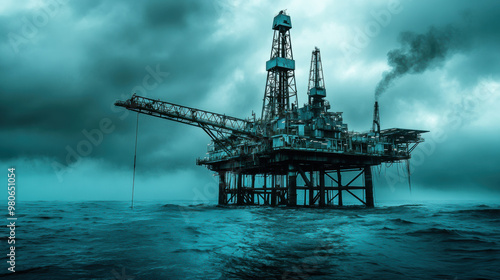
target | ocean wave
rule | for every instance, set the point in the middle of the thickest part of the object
(472, 240)
(193, 250)
(487, 212)
(401, 221)
(475, 250)
(436, 232)
(182, 241)
(200, 206)
(47, 217)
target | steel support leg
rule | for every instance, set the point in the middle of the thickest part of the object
(239, 190)
(292, 186)
(252, 191)
(222, 188)
(273, 190)
(311, 189)
(339, 181)
(322, 187)
(369, 187)
(266, 195)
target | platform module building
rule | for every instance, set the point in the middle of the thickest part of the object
(291, 155)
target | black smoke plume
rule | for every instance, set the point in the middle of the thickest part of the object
(419, 52)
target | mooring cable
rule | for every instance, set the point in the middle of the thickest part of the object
(409, 173)
(135, 158)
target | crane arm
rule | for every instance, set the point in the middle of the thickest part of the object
(191, 116)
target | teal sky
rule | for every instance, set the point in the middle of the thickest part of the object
(64, 63)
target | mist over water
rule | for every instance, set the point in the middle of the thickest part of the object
(420, 52)
(108, 240)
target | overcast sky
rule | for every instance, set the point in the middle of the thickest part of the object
(64, 63)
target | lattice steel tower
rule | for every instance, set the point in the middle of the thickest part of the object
(316, 89)
(280, 85)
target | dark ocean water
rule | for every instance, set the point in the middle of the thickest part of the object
(108, 240)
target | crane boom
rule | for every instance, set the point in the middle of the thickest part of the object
(196, 117)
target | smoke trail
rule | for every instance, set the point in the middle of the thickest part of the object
(418, 52)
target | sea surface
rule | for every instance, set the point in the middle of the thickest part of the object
(109, 240)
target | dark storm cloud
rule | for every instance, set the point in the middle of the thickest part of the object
(65, 79)
(56, 116)
(174, 14)
(53, 95)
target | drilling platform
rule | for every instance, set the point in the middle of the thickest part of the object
(289, 156)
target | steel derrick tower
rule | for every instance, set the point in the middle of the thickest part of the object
(281, 92)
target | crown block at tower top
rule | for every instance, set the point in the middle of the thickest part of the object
(282, 20)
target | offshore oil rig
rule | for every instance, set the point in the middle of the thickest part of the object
(289, 156)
